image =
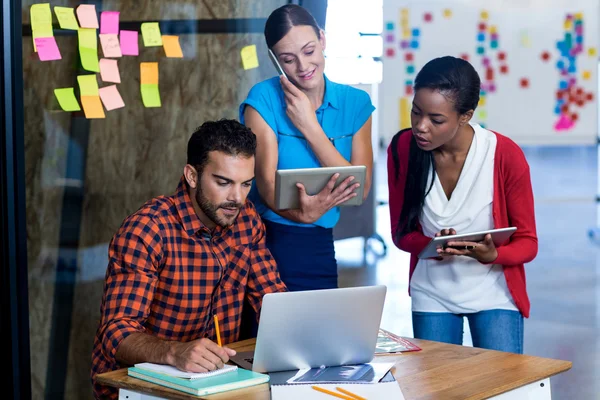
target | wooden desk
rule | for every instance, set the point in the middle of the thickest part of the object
(439, 371)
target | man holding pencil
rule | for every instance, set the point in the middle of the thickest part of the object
(181, 267)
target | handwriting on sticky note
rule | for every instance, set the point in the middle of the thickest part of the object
(172, 47)
(40, 16)
(149, 73)
(150, 95)
(86, 13)
(129, 43)
(109, 22)
(151, 34)
(110, 45)
(111, 98)
(88, 85)
(47, 49)
(92, 107)
(109, 71)
(249, 57)
(66, 17)
(66, 99)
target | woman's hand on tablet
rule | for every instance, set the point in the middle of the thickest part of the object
(484, 251)
(441, 252)
(313, 207)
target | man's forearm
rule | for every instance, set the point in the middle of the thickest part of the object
(141, 347)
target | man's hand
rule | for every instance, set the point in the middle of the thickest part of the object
(200, 355)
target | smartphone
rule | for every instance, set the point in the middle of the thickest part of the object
(276, 63)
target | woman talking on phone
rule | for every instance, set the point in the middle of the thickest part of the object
(447, 175)
(303, 120)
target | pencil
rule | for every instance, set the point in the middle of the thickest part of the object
(329, 392)
(218, 331)
(357, 397)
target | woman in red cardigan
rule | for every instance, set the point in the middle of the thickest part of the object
(448, 175)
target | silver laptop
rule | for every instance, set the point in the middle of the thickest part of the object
(316, 328)
(314, 180)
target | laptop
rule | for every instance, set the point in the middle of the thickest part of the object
(316, 328)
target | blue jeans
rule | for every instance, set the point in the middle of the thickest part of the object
(491, 329)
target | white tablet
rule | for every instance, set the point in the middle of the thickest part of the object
(499, 236)
(314, 180)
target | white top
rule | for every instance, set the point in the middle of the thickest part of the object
(462, 284)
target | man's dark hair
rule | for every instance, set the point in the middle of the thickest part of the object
(226, 135)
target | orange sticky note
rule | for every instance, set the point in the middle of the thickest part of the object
(86, 13)
(111, 98)
(172, 47)
(92, 107)
(109, 71)
(110, 45)
(149, 73)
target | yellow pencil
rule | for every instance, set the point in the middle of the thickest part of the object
(329, 392)
(357, 397)
(218, 331)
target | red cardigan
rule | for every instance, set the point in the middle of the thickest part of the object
(512, 206)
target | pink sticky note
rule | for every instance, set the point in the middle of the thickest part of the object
(47, 49)
(111, 98)
(109, 71)
(129, 43)
(110, 45)
(86, 13)
(109, 22)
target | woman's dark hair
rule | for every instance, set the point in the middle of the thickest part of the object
(283, 19)
(458, 81)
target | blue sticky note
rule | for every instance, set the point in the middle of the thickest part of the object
(389, 26)
(579, 39)
(414, 44)
(481, 37)
(572, 69)
(560, 102)
(563, 84)
(482, 93)
(494, 44)
(408, 82)
(416, 32)
(557, 111)
(560, 64)
(410, 69)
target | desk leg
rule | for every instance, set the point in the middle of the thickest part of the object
(539, 390)
(125, 394)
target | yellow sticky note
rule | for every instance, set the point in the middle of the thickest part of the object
(151, 34)
(404, 113)
(484, 15)
(568, 24)
(172, 47)
(592, 52)
(579, 15)
(493, 29)
(587, 75)
(447, 13)
(482, 115)
(150, 95)
(404, 23)
(111, 98)
(249, 57)
(40, 16)
(406, 33)
(88, 85)
(481, 101)
(87, 38)
(92, 107)
(66, 99)
(149, 73)
(404, 12)
(525, 39)
(66, 17)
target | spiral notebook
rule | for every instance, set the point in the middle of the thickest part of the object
(176, 373)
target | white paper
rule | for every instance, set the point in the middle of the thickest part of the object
(172, 371)
(363, 373)
(388, 390)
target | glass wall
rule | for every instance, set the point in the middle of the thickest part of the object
(84, 176)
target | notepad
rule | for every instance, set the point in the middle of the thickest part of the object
(174, 372)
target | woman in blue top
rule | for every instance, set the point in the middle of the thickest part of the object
(305, 122)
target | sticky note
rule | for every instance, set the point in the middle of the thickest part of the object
(150, 95)
(592, 52)
(92, 107)
(151, 34)
(149, 73)
(86, 13)
(40, 16)
(249, 57)
(87, 38)
(111, 98)
(129, 43)
(447, 13)
(66, 99)
(482, 114)
(586, 75)
(109, 71)
(109, 22)
(47, 49)
(172, 47)
(66, 17)
(481, 101)
(88, 85)
(110, 45)
(404, 113)
(525, 39)
(484, 15)
(88, 49)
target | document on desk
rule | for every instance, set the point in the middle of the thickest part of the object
(389, 390)
(362, 373)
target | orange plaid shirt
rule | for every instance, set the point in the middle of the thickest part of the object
(168, 275)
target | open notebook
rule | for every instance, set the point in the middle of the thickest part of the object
(174, 372)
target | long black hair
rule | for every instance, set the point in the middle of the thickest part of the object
(458, 81)
(281, 21)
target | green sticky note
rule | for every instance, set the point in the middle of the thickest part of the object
(482, 114)
(66, 99)
(151, 34)
(87, 38)
(40, 16)
(88, 85)
(150, 95)
(89, 59)
(66, 17)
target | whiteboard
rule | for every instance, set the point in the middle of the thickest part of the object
(537, 60)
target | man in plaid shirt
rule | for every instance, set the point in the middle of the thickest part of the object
(181, 259)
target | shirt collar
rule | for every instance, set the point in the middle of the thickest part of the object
(187, 214)
(330, 98)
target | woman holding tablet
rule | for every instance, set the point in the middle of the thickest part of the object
(448, 175)
(305, 121)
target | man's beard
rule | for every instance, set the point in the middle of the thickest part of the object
(210, 210)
